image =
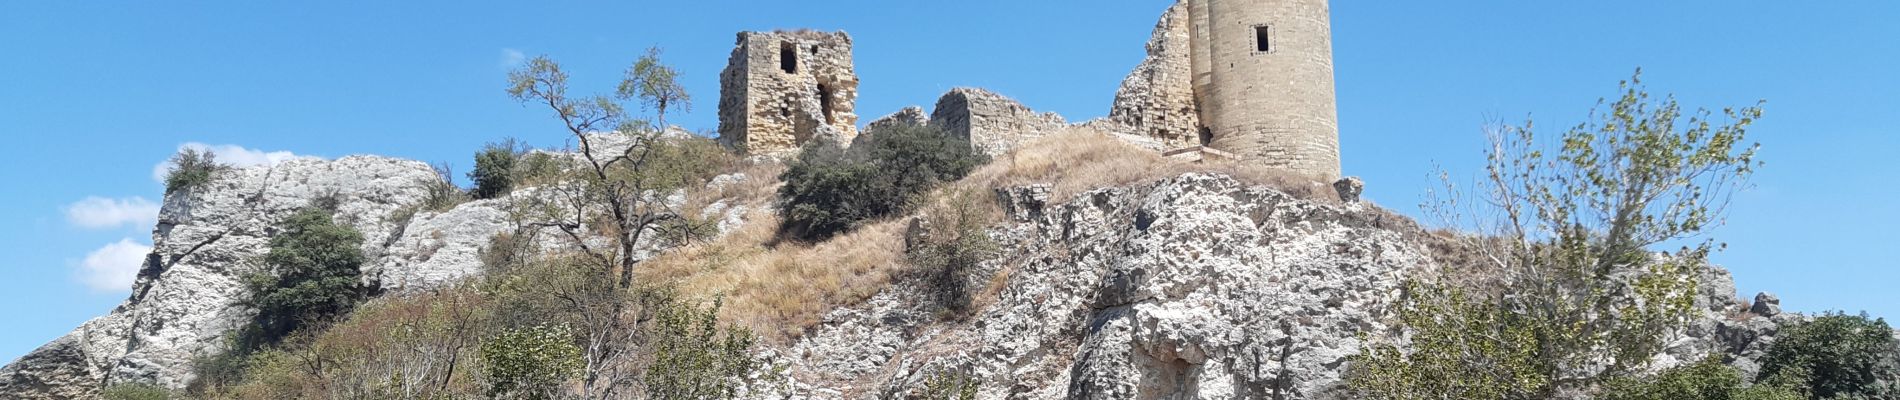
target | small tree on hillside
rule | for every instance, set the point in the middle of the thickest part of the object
(314, 274)
(609, 206)
(1574, 297)
(495, 167)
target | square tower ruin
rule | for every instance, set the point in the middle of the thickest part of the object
(781, 89)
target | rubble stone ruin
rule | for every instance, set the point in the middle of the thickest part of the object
(781, 89)
(1250, 77)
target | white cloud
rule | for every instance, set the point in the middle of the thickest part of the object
(511, 58)
(228, 154)
(114, 267)
(96, 212)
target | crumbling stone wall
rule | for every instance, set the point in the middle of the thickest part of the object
(991, 122)
(1157, 99)
(781, 89)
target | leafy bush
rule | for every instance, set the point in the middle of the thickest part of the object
(135, 391)
(313, 274)
(1836, 356)
(191, 168)
(829, 190)
(950, 386)
(954, 247)
(693, 357)
(1706, 380)
(494, 172)
(530, 363)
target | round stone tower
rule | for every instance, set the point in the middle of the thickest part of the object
(1263, 76)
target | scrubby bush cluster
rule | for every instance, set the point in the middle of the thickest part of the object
(530, 363)
(953, 246)
(191, 168)
(829, 190)
(1836, 356)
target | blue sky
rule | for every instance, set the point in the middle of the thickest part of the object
(94, 94)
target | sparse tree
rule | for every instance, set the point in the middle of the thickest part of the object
(1573, 295)
(655, 85)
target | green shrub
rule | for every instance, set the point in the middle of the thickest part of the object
(828, 190)
(1835, 356)
(314, 273)
(191, 168)
(956, 244)
(530, 363)
(135, 391)
(1706, 380)
(495, 167)
(693, 357)
(950, 386)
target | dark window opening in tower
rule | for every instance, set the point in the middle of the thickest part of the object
(1261, 35)
(824, 104)
(788, 57)
(814, 49)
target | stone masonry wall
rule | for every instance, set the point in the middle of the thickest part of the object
(991, 122)
(781, 89)
(1157, 99)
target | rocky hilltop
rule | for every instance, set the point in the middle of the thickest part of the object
(1198, 285)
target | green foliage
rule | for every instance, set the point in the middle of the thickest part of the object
(135, 391)
(191, 168)
(1576, 298)
(655, 85)
(314, 274)
(828, 190)
(1836, 356)
(494, 173)
(530, 363)
(1706, 380)
(952, 250)
(950, 386)
(693, 357)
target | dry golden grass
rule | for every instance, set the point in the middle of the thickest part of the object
(1081, 159)
(780, 289)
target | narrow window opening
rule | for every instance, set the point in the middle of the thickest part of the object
(824, 104)
(1262, 39)
(788, 57)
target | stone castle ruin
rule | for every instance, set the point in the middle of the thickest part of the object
(1250, 80)
(783, 88)
(1253, 78)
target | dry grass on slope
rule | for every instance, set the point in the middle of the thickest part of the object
(1082, 159)
(781, 289)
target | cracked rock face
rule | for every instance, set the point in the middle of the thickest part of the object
(1193, 287)
(185, 298)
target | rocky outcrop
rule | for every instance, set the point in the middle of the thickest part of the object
(993, 123)
(187, 295)
(1197, 286)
